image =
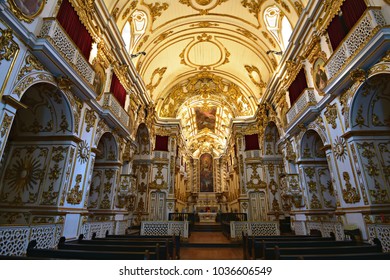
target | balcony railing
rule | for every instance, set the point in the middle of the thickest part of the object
(111, 104)
(55, 34)
(306, 100)
(364, 29)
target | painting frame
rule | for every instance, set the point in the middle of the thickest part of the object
(26, 10)
(320, 78)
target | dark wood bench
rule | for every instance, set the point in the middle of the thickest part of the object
(161, 249)
(87, 255)
(249, 243)
(361, 256)
(275, 253)
(258, 250)
(173, 247)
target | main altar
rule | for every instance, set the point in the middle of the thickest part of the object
(207, 217)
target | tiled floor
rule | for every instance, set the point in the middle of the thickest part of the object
(211, 253)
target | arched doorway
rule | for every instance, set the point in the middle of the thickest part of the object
(38, 158)
(105, 174)
(369, 138)
(315, 176)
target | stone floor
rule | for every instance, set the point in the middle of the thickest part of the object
(213, 252)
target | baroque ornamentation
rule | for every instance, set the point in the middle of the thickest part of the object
(83, 152)
(7, 120)
(255, 76)
(207, 5)
(31, 63)
(155, 79)
(75, 195)
(156, 9)
(26, 14)
(340, 148)
(90, 119)
(350, 194)
(8, 48)
(331, 115)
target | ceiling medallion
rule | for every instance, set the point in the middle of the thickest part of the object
(203, 6)
(205, 53)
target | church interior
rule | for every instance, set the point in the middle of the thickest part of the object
(207, 125)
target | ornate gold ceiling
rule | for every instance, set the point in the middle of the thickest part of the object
(206, 62)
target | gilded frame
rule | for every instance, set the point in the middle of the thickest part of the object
(320, 78)
(26, 10)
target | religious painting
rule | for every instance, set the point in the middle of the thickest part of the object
(320, 78)
(27, 9)
(206, 173)
(99, 79)
(205, 118)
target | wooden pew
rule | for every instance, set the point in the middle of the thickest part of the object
(249, 243)
(174, 252)
(361, 256)
(261, 246)
(275, 253)
(87, 255)
(162, 250)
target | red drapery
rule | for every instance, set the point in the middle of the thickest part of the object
(336, 32)
(297, 87)
(72, 25)
(252, 142)
(161, 143)
(118, 90)
(352, 11)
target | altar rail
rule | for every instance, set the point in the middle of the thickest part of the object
(304, 228)
(165, 228)
(56, 35)
(253, 229)
(14, 239)
(382, 232)
(100, 228)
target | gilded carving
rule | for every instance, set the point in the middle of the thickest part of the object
(247, 34)
(275, 205)
(253, 6)
(154, 82)
(272, 42)
(358, 75)
(156, 9)
(350, 194)
(315, 202)
(31, 64)
(290, 154)
(90, 119)
(83, 152)
(255, 181)
(331, 115)
(310, 171)
(340, 148)
(257, 80)
(298, 7)
(7, 120)
(205, 3)
(75, 195)
(360, 120)
(8, 48)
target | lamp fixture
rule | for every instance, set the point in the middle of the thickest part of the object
(137, 54)
(275, 52)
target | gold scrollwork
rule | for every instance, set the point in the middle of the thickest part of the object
(350, 194)
(8, 48)
(75, 195)
(331, 115)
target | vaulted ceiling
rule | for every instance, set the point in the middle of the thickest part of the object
(206, 61)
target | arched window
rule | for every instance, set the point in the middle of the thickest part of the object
(278, 25)
(134, 28)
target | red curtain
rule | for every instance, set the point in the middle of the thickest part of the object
(297, 87)
(336, 32)
(161, 143)
(352, 11)
(118, 90)
(252, 142)
(70, 21)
